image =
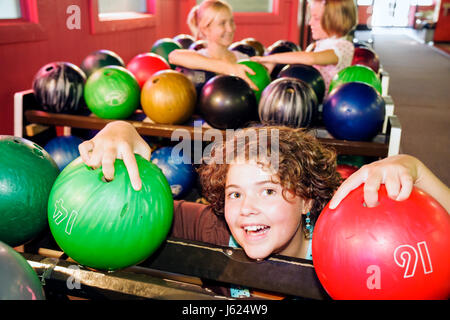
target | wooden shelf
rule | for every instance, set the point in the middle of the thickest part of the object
(372, 149)
(26, 113)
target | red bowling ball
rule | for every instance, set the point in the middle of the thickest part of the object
(144, 65)
(346, 170)
(396, 250)
(366, 57)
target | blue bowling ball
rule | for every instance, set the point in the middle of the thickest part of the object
(354, 111)
(180, 174)
(63, 150)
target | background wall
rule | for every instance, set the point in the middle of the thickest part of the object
(23, 52)
(442, 32)
(45, 37)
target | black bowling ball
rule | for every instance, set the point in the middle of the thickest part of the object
(228, 102)
(307, 73)
(184, 40)
(198, 45)
(243, 48)
(99, 59)
(279, 47)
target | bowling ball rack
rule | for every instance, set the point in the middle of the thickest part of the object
(180, 269)
(28, 116)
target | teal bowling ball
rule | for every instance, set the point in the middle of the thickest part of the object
(164, 47)
(27, 173)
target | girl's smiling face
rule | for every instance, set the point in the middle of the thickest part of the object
(260, 219)
(221, 29)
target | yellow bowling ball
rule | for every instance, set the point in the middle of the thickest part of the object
(168, 97)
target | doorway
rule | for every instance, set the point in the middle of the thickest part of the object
(391, 13)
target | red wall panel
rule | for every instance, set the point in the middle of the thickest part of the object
(51, 40)
(365, 15)
(442, 31)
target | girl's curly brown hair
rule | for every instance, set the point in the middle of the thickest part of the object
(305, 166)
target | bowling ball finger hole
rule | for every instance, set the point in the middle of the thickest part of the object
(38, 153)
(49, 68)
(155, 80)
(108, 73)
(37, 146)
(105, 180)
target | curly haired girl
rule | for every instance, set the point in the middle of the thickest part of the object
(265, 185)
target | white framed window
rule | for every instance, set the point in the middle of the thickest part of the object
(114, 6)
(120, 15)
(422, 2)
(365, 2)
(249, 5)
(10, 9)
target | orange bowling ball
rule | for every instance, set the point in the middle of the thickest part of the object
(168, 97)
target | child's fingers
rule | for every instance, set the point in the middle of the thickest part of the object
(95, 158)
(108, 159)
(258, 59)
(249, 70)
(352, 182)
(85, 148)
(407, 184)
(132, 168)
(250, 83)
(392, 183)
(253, 86)
(371, 187)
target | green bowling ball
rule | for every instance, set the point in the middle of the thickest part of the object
(18, 280)
(356, 73)
(261, 78)
(112, 93)
(108, 225)
(165, 46)
(352, 160)
(27, 173)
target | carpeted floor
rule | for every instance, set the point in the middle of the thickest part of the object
(420, 87)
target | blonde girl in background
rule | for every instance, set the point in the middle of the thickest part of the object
(213, 21)
(330, 21)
